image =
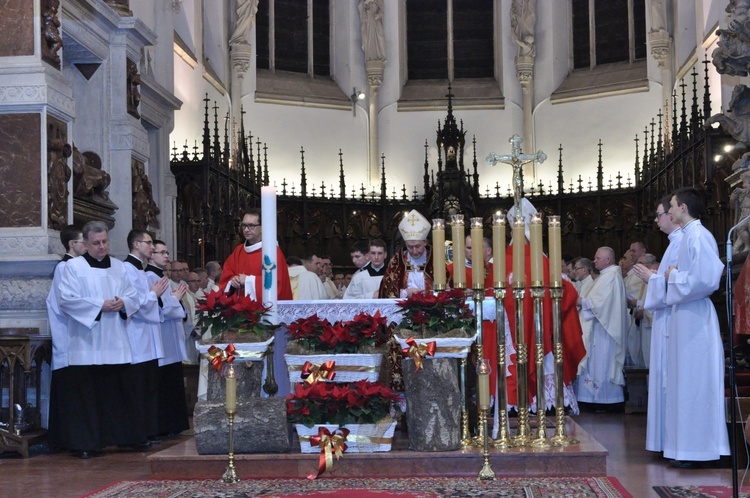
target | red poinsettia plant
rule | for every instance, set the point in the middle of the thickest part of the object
(222, 313)
(318, 334)
(431, 314)
(360, 402)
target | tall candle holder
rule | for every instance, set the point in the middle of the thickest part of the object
(523, 434)
(478, 303)
(230, 474)
(483, 405)
(438, 254)
(465, 438)
(540, 441)
(560, 438)
(459, 251)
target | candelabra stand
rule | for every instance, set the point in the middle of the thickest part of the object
(503, 439)
(230, 474)
(478, 296)
(465, 438)
(560, 438)
(541, 441)
(486, 474)
(523, 434)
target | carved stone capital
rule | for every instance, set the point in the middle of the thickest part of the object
(661, 44)
(524, 70)
(375, 70)
(241, 56)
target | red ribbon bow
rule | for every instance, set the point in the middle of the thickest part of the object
(217, 356)
(417, 351)
(330, 445)
(313, 372)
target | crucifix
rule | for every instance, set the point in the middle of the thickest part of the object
(516, 159)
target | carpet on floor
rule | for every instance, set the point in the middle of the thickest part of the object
(698, 491)
(333, 487)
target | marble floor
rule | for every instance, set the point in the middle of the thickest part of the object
(623, 435)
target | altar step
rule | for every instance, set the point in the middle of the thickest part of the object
(587, 458)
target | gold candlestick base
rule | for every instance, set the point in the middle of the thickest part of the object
(486, 474)
(561, 438)
(230, 474)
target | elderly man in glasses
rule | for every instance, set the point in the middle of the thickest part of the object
(243, 269)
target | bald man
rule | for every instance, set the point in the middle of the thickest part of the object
(600, 373)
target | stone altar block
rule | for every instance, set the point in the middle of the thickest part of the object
(433, 404)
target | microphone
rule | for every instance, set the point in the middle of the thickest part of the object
(729, 237)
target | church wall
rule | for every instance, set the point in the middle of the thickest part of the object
(20, 173)
(578, 126)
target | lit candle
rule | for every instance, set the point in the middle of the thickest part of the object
(459, 251)
(438, 253)
(477, 254)
(498, 249)
(519, 243)
(555, 252)
(483, 383)
(535, 229)
(268, 247)
(231, 390)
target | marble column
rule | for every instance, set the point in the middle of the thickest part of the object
(374, 80)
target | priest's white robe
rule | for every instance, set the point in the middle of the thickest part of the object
(695, 424)
(634, 289)
(656, 303)
(600, 375)
(83, 290)
(365, 283)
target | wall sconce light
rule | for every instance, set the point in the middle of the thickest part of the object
(354, 97)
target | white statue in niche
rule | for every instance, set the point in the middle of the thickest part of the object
(522, 25)
(373, 35)
(246, 10)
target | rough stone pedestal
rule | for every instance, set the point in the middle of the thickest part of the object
(249, 374)
(433, 404)
(260, 426)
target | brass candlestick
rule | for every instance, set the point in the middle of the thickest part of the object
(483, 404)
(560, 438)
(478, 296)
(465, 438)
(230, 474)
(523, 434)
(503, 439)
(540, 441)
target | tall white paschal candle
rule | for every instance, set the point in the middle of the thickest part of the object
(268, 222)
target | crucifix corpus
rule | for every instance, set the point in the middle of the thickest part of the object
(516, 159)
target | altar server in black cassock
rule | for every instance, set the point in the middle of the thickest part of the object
(173, 417)
(144, 331)
(96, 295)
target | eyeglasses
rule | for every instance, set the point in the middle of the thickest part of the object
(192, 281)
(161, 252)
(249, 226)
(147, 242)
(659, 215)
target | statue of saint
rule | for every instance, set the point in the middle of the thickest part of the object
(522, 25)
(246, 10)
(373, 36)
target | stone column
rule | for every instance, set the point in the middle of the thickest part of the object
(523, 27)
(374, 80)
(661, 50)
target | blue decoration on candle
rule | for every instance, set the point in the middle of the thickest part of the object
(268, 268)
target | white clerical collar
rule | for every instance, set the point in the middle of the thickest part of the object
(253, 247)
(690, 223)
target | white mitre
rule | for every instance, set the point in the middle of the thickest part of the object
(527, 208)
(414, 226)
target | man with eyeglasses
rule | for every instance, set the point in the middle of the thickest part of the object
(172, 404)
(96, 295)
(72, 239)
(243, 269)
(144, 331)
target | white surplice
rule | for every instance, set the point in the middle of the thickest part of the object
(82, 292)
(656, 303)
(172, 331)
(600, 375)
(695, 424)
(144, 326)
(58, 321)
